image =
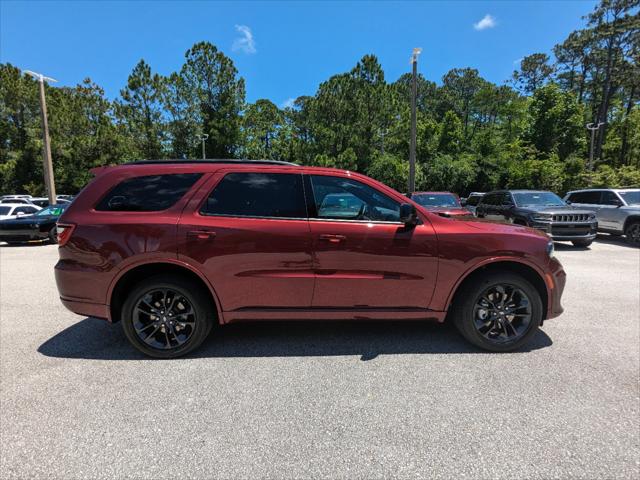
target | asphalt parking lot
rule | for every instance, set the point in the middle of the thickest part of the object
(331, 400)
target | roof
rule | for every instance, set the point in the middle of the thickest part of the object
(210, 160)
(433, 193)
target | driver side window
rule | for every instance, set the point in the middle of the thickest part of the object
(340, 198)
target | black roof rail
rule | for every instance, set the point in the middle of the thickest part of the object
(211, 160)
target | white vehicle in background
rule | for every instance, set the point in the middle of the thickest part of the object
(13, 210)
(617, 210)
(21, 201)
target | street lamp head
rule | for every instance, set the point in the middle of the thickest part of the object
(414, 56)
(204, 136)
(39, 76)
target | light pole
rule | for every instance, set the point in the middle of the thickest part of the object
(593, 128)
(204, 137)
(412, 145)
(46, 145)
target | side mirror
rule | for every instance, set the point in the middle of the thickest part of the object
(568, 202)
(619, 203)
(408, 214)
(20, 214)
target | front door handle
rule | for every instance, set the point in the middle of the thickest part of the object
(201, 234)
(332, 238)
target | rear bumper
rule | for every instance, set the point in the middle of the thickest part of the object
(85, 308)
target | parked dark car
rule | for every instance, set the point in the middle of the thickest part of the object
(172, 248)
(446, 204)
(39, 226)
(617, 210)
(542, 210)
(472, 201)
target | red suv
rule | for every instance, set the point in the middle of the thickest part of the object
(172, 248)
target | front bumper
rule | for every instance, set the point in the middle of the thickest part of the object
(555, 279)
(565, 231)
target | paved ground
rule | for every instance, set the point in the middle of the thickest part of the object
(323, 400)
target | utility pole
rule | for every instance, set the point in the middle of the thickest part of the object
(412, 146)
(46, 144)
(204, 137)
(593, 128)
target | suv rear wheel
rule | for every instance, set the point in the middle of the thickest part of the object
(499, 312)
(632, 233)
(167, 317)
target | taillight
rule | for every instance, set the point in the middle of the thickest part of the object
(64, 231)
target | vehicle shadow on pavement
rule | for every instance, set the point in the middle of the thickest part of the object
(96, 339)
(619, 241)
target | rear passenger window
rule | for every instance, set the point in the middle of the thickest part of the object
(585, 197)
(150, 193)
(276, 195)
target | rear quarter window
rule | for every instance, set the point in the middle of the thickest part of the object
(149, 193)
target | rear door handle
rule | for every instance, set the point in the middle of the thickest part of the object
(332, 238)
(201, 234)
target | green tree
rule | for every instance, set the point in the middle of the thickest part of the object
(534, 72)
(141, 112)
(211, 83)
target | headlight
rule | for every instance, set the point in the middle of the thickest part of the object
(542, 217)
(550, 249)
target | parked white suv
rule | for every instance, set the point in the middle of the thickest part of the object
(617, 209)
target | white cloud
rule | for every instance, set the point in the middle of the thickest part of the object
(245, 43)
(488, 21)
(288, 103)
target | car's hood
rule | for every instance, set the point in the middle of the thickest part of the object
(492, 226)
(448, 211)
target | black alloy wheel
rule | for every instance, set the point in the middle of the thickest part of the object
(502, 313)
(633, 234)
(167, 316)
(164, 319)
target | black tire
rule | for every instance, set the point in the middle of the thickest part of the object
(195, 296)
(463, 314)
(632, 234)
(582, 243)
(53, 235)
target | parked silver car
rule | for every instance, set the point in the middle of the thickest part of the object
(617, 209)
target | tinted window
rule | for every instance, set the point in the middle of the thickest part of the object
(473, 200)
(489, 199)
(631, 197)
(5, 210)
(278, 195)
(345, 199)
(148, 194)
(547, 199)
(609, 198)
(585, 197)
(436, 200)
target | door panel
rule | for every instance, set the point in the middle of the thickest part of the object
(373, 265)
(364, 256)
(251, 263)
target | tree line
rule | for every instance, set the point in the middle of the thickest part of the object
(472, 135)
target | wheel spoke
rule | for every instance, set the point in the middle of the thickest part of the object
(155, 328)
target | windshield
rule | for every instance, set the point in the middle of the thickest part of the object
(631, 198)
(538, 198)
(436, 200)
(55, 210)
(5, 210)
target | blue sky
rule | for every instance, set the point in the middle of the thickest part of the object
(282, 49)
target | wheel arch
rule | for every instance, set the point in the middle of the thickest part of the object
(630, 219)
(132, 275)
(529, 272)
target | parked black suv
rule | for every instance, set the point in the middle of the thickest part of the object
(541, 210)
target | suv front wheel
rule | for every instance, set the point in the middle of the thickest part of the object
(499, 312)
(632, 233)
(167, 317)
